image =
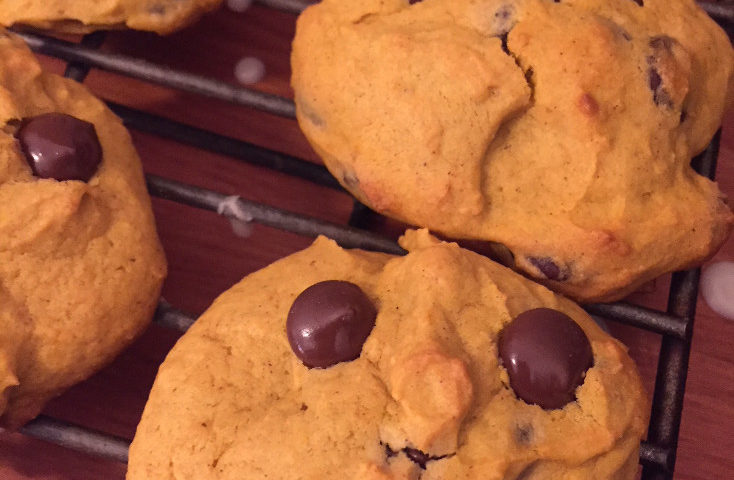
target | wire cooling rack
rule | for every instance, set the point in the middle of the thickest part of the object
(657, 454)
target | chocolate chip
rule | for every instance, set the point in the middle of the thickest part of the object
(350, 179)
(60, 146)
(548, 268)
(389, 452)
(683, 116)
(654, 79)
(157, 9)
(329, 322)
(546, 355)
(524, 434)
(503, 39)
(660, 96)
(416, 456)
(503, 20)
(661, 45)
(588, 105)
(661, 42)
(639, 2)
(529, 76)
(421, 458)
(527, 472)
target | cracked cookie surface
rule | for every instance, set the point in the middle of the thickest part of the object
(81, 266)
(427, 397)
(80, 16)
(563, 130)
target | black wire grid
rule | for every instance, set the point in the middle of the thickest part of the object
(657, 454)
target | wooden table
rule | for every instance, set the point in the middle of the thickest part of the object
(205, 257)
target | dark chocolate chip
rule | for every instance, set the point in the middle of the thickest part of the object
(548, 268)
(654, 79)
(683, 116)
(60, 146)
(527, 472)
(503, 20)
(546, 355)
(662, 98)
(524, 434)
(639, 2)
(350, 179)
(157, 9)
(529, 75)
(389, 452)
(329, 322)
(661, 42)
(660, 95)
(503, 39)
(416, 456)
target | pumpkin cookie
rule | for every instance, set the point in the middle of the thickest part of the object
(563, 130)
(75, 16)
(81, 266)
(333, 364)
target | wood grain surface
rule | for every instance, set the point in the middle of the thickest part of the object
(206, 258)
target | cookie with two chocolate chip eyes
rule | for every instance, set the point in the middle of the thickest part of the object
(83, 16)
(563, 130)
(344, 364)
(81, 266)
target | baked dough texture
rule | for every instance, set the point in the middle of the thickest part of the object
(81, 266)
(84, 16)
(232, 400)
(563, 130)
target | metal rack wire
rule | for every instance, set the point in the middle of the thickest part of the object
(657, 454)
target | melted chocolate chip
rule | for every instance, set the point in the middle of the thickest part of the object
(661, 42)
(639, 2)
(60, 146)
(661, 45)
(389, 452)
(546, 355)
(503, 39)
(654, 79)
(529, 76)
(503, 21)
(350, 179)
(524, 434)
(329, 322)
(416, 456)
(548, 268)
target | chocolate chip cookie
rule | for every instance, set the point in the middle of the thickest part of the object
(339, 364)
(75, 16)
(81, 266)
(561, 129)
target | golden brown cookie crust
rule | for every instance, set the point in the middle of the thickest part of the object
(233, 401)
(74, 16)
(563, 130)
(81, 266)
